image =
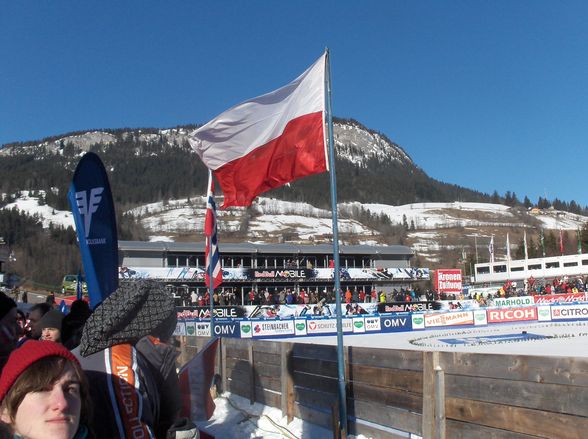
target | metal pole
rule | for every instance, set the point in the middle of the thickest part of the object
(336, 273)
(210, 266)
(211, 284)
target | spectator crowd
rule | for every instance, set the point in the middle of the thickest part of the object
(102, 373)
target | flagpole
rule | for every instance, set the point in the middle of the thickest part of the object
(210, 265)
(336, 273)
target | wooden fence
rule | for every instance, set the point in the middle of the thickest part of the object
(394, 392)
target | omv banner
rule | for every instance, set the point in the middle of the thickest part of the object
(91, 203)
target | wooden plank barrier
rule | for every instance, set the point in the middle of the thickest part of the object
(431, 394)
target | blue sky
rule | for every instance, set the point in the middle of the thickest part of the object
(487, 95)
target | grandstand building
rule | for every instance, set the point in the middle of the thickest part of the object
(271, 267)
(538, 268)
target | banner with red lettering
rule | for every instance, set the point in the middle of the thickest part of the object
(512, 315)
(448, 280)
(560, 298)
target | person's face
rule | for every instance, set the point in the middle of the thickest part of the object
(51, 334)
(34, 319)
(50, 413)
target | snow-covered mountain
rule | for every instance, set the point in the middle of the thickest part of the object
(434, 228)
(353, 142)
(378, 176)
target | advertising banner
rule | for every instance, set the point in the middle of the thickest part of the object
(180, 328)
(227, 329)
(397, 324)
(456, 304)
(358, 325)
(203, 312)
(449, 319)
(246, 329)
(564, 312)
(280, 273)
(448, 280)
(300, 327)
(372, 324)
(273, 274)
(404, 306)
(418, 321)
(92, 208)
(544, 313)
(513, 301)
(480, 318)
(560, 298)
(327, 326)
(202, 329)
(191, 328)
(512, 315)
(263, 328)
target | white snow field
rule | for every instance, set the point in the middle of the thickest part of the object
(235, 418)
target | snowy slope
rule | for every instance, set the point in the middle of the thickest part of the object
(271, 217)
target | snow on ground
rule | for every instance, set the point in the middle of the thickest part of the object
(569, 339)
(160, 238)
(47, 214)
(458, 214)
(235, 418)
(443, 215)
(271, 215)
(561, 220)
(181, 219)
(272, 206)
(305, 227)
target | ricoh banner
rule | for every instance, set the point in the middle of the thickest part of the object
(512, 315)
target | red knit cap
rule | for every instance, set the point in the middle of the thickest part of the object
(27, 354)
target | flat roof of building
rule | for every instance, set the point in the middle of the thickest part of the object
(286, 249)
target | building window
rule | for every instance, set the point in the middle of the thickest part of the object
(552, 265)
(483, 270)
(570, 264)
(517, 268)
(499, 269)
(535, 267)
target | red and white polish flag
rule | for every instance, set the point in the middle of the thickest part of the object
(267, 141)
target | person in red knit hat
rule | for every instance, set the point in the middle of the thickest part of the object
(44, 393)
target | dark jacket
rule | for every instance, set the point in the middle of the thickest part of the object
(124, 392)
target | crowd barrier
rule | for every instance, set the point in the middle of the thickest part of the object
(294, 324)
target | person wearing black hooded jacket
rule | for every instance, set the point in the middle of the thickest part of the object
(134, 384)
